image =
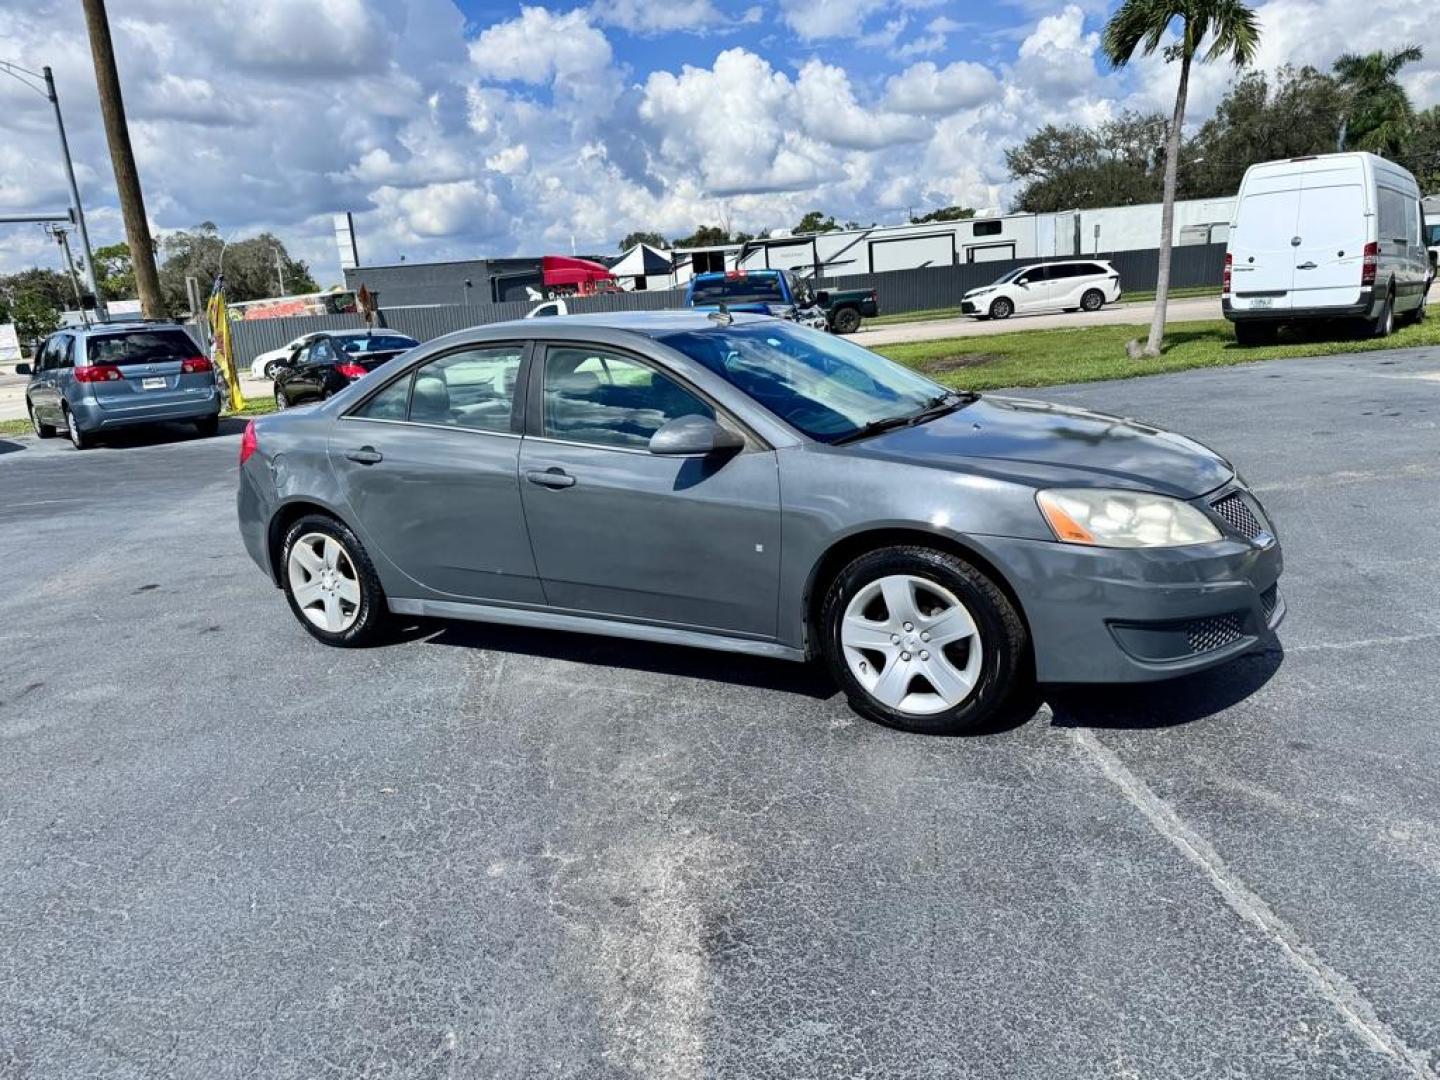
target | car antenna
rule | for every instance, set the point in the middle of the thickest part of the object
(722, 315)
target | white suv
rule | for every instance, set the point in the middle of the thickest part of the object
(1078, 285)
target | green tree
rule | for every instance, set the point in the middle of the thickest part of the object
(54, 290)
(654, 239)
(1300, 112)
(1140, 26)
(250, 267)
(1378, 113)
(34, 316)
(816, 222)
(1422, 150)
(1116, 163)
(945, 213)
(114, 273)
(704, 236)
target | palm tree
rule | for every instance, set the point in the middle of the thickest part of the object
(1379, 114)
(1141, 25)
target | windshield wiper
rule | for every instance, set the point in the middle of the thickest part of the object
(938, 405)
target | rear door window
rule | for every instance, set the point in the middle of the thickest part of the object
(141, 347)
(322, 352)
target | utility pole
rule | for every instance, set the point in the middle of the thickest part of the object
(280, 272)
(127, 180)
(59, 232)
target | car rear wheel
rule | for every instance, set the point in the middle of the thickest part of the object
(330, 582)
(78, 439)
(271, 369)
(1001, 308)
(42, 431)
(846, 321)
(1093, 300)
(1384, 325)
(921, 640)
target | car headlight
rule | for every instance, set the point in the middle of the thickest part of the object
(1123, 519)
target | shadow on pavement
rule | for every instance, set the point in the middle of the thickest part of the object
(1165, 704)
(10, 446)
(786, 676)
(159, 434)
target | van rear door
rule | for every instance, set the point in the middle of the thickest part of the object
(1331, 233)
(1262, 256)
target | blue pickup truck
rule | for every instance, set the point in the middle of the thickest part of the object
(784, 294)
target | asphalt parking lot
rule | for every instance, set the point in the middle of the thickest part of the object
(228, 851)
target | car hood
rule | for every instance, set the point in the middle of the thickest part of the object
(1038, 443)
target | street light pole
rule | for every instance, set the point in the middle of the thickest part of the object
(90, 278)
(20, 73)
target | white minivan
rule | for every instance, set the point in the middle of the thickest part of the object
(1329, 236)
(1072, 285)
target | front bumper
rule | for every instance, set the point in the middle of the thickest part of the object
(1107, 615)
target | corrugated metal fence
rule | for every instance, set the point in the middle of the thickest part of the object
(900, 291)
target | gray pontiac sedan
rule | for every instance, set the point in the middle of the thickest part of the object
(741, 483)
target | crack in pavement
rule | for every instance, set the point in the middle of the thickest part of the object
(1330, 984)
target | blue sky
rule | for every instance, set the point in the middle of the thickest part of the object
(499, 128)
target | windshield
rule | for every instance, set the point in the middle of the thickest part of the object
(824, 386)
(744, 289)
(1011, 276)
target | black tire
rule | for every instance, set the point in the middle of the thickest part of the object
(1092, 300)
(845, 321)
(372, 611)
(281, 401)
(1004, 663)
(1384, 324)
(209, 427)
(1256, 333)
(1001, 308)
(42, 431)
(78, 439)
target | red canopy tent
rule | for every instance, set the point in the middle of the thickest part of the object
(581, 275)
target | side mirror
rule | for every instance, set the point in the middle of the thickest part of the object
(23, 369)
(695, 436)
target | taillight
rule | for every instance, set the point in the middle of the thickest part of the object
(351, 371)
(196, 365)
(98, 373)
(248, 443)
(1371, 263)
(1225, 277)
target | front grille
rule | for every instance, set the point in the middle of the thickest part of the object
(1207, 635)
(1269, 599)
(1236, 512)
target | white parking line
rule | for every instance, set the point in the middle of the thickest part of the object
(1334, 987)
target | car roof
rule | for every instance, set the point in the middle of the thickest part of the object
(764, 271)
(123, 327)
(649, 323)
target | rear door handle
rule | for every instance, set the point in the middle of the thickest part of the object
(1306, 266)
(550, 478)
(365, 455)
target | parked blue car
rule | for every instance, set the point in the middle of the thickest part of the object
(784, 294)
(112, 375)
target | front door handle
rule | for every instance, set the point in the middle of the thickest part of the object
(365, 455)
(1306, 266)
(551, 478)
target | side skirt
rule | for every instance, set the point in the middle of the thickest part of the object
(583, 624)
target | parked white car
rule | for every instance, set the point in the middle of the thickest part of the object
(1072, 285)
(266, 364)
(1327, 236)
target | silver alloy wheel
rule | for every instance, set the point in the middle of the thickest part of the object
(1093, 300)
(926, 644)
(34, 421)
(324, 583)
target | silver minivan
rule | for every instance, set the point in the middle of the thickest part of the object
(112, 375)
(1328, 236)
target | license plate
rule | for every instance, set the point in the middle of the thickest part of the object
(1261, 302)
(156, 383)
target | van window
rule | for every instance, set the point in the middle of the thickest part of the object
(1394, 209)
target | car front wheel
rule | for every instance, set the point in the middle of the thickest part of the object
(1001, 308)
(921, 640)
(330, 582)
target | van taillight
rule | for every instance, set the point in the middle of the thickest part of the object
(1225, 277)
(248, 443)
(1371, 263)
(98, 373)
(195, 366)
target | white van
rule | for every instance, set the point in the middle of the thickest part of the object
(1333, 236)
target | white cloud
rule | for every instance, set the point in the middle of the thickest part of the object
(924, 89)
(651, 17)
(540, 46)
